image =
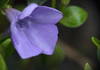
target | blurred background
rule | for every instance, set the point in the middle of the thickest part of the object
(78, 40)
(75, 48)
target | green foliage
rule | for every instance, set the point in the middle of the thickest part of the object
(40, 2)
(2, 52)
(2, 63)
(6, 46)
(87, 67)
(97, 43)
(3, 3)
(2, 39)
(73, 16)
(65, 2)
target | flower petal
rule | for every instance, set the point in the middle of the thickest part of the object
(43, 36)
(28, 10)
(12, 14)
(47, 15)
(24, 45)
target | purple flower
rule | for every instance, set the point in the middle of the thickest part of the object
(33, 31)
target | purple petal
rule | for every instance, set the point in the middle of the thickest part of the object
(45, 36)
(12, 14)
(28, 10)
(31, 39)
(33, 31)
(25, 46)
(47, 15)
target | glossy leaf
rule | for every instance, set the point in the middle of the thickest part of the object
(65, 2)
(2, 63)
(3, 3)
(87, 67)
(73, 16)
(40, 2)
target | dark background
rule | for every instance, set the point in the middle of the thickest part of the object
(80, 38)
(76, 42)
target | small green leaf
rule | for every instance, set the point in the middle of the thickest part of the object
(6, 47)
(3, 3)
(65, 2)
(2, 63)
(6, 42)
(40, 2)
(2, 39)
(73, 16)
(96, 41)
(87, 67)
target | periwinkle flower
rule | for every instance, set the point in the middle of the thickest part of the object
(33, 31)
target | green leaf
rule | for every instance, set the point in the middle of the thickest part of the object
(40, 2)
(3, 3)
(6, 47)
(65, 2)
(73, 16)
(96, 41)
(87, 67)
(2, 63)
(2, 39)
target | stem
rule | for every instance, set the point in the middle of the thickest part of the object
(53, 4)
